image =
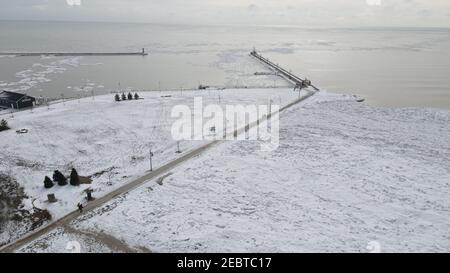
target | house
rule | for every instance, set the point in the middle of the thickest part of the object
(16, 100)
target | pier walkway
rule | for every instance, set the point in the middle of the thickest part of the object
(63, 54)
(297, 81)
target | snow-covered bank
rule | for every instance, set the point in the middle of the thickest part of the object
(107, 140)
(346, 176)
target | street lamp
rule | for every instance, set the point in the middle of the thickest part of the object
(151, 156)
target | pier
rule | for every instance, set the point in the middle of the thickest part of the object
(65, 54)
(297, 81)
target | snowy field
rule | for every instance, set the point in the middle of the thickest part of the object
(107, 140)
(347, 177)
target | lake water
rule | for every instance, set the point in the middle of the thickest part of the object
(387, 66)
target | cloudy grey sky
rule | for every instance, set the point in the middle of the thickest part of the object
(410, 13)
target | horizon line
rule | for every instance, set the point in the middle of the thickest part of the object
(228, 25)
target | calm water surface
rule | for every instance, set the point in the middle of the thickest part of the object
(389, 67)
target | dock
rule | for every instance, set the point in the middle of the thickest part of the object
(65, 54)
(289, 76)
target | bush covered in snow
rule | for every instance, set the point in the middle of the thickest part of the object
(59, 178)
(48, 183)
(74, 178)
(3, 125)
(128, 96)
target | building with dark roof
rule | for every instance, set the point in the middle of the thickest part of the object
(16, 100)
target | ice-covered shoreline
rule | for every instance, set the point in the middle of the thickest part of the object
(346, 176)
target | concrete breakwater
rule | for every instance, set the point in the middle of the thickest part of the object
(58, 54)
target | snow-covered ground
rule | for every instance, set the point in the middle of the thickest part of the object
(103, 137)
(347, 177)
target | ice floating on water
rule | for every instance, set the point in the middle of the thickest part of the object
(40, 73)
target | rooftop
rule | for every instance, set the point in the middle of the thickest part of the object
(12, 96)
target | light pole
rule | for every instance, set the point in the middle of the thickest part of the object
(151, 163)
(270, 107)
(178, 148)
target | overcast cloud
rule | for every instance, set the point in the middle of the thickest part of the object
(305, 13)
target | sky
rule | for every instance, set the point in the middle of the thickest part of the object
(304, 13)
